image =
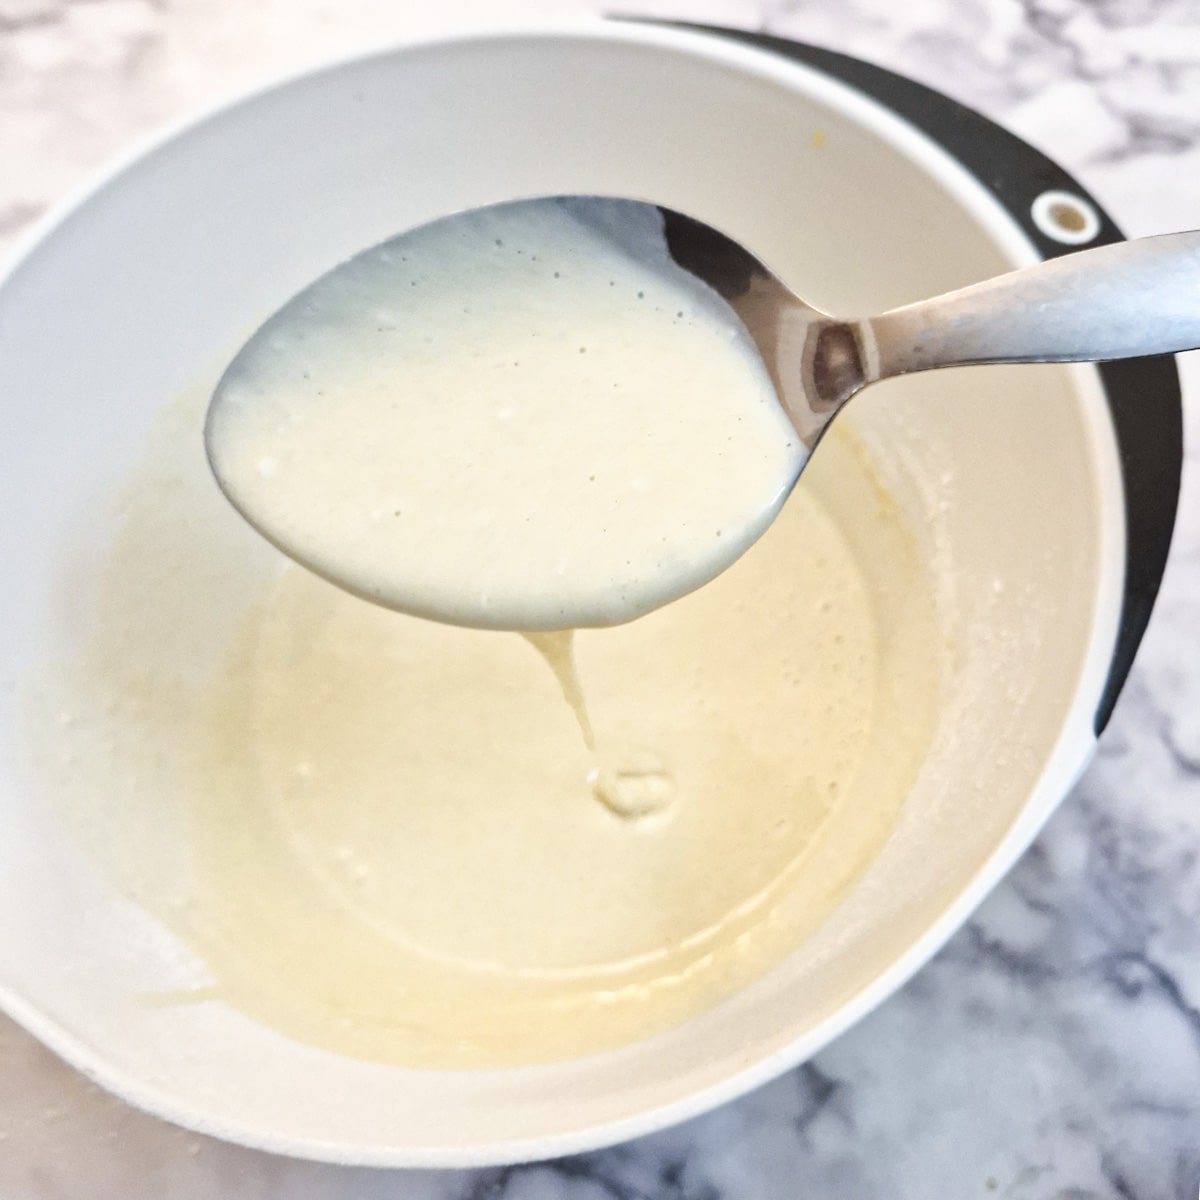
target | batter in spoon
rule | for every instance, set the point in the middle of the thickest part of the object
(522, 417)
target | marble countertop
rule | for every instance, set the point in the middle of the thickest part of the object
(1052, 1050)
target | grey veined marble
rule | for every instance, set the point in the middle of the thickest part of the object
(1052, 1050)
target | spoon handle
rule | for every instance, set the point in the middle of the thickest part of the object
(1118, 301)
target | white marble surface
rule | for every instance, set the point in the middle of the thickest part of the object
(1052, 1051)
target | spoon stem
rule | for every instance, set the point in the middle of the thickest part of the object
(1118, 301)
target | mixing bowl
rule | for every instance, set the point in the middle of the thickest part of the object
(1045, 498)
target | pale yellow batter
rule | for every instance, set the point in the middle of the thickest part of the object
(522, 417)
(379, 834)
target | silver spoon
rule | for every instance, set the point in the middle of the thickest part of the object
(1123, 300)
(1119, 301)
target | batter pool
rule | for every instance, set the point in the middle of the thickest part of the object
(380, 835)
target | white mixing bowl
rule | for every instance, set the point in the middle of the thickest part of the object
(151, 279)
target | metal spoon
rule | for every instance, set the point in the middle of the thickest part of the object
(1123, 300)
(1118, 301)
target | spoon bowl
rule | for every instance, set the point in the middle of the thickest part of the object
(526, 416)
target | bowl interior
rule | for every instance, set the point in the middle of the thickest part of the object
(147, 287)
